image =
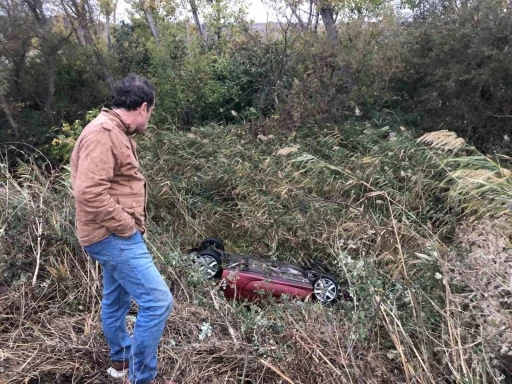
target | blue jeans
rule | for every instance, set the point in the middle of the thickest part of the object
(129, 272)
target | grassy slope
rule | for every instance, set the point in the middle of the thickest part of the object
(369, 201)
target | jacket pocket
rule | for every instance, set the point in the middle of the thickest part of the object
(133, 205)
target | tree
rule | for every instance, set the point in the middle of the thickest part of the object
(147, 7)
(195, 15)
(327, 13)
(80, 10)
(3, 102)
(107, 7)
(48, 43)
(151, 22)
(221, 15)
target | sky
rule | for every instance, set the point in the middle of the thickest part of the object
(259, 12)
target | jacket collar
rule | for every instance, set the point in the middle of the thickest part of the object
(120, 123)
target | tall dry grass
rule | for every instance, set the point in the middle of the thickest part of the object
(430, 294)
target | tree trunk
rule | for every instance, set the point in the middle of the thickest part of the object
(18, 65)
(36, 7)
(92, 24)
(195, 14)
(81, 13)
(8, 113)
(79, 38)
(344, 70)
(49, 48)
(103, 65)
(218, 26)
(107, 32)
(310, 16)
(189, 38)
(151, 23)
(327, 14)
(114, 12)
(99, 58)
(315, 25)
(299, 19)
(50, 69)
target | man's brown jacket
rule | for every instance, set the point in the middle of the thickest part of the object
(109, 190)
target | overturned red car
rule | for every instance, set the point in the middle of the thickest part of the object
(252, 278)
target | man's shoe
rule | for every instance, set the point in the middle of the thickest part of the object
(118, 369)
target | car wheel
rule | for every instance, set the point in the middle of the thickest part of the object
(209, 265)
(211, 241)
(326, 289)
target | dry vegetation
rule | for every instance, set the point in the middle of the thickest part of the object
(411, 229)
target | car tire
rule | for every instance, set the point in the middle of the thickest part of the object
(211, 241)
(210, 264)
(326, 289)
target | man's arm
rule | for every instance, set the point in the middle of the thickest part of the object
(95, 171)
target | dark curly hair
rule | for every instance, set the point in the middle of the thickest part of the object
(133, 91)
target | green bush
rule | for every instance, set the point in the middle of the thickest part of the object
(456, 75)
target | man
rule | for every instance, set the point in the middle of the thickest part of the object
(110, 194)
